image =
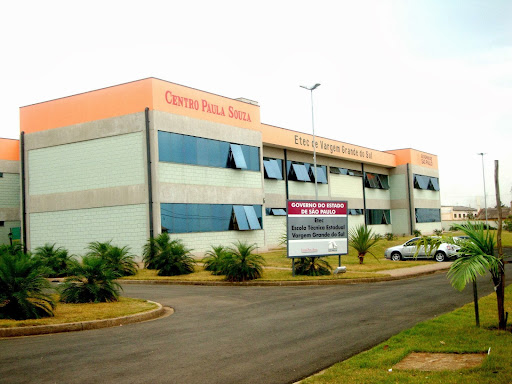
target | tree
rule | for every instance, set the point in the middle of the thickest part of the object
(91, 281)
(363, 239)
(24, 291)
(477, 257)
(241, 264)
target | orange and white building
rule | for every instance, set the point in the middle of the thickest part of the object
(127, 162)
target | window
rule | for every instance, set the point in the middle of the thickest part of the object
(298, 172)
(305, 172)
(188, 218)
(345, 171)
(428, 215)
(376, 181)
(321, 177)
(1, 174)
(378, 216)
(275, 211)
(2, 223)
(426, 182)
(273, 168)
(183, 149)
(355, 212)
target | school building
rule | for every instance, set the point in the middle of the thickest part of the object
(131, 161)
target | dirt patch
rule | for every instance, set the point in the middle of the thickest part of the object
(440, 361)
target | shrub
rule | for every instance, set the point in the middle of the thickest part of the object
(170, 257)
(241, 264)
(214, 259)
(13, 249)
(438, 232)
(56, 259)
(417, 233)
(312, 266)
(118, 259)
(362, 239)
(507, 224)
(389, 236)
(92, 281)
(24, 292)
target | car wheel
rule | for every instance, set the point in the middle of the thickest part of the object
(440, 257)
(396, 256)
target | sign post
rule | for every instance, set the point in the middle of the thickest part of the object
(316, 228)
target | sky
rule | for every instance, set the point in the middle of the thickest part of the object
(431, 75)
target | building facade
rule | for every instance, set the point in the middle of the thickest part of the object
(9, 190)
(131, 161)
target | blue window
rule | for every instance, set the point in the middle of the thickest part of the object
(184, 149)
(188, 218)
(236, 157)
(345, 171)
(428, 215)
(378, 216)
(426, 182)
(355, 212)
(273, 169)
(376, 181)
(320, 173)
(275, 211)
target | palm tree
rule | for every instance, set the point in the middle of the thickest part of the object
(214, 259)
(312, 266)
(92, 281)
(170, 257)
(24, 292)
(117, 258)
(241, 264)
(477, 257)
(362, 239)
(56, 259)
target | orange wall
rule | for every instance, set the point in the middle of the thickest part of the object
(168, 97)
(9, 149)
(285, 138)
(180, 100)
(412, 156)
(95, 105)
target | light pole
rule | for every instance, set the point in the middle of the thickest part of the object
(485, 193)
(311, 89)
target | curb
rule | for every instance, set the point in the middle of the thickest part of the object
(86, 325)
(281, 283)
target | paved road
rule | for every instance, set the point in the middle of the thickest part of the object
(234, 334)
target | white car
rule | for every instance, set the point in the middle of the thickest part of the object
(407, 250)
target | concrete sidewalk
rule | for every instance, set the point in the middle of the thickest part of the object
(416, 270)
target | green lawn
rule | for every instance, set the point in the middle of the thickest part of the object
(454, 332)
(69, 313)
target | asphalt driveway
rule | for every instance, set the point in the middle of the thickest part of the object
(234, 334)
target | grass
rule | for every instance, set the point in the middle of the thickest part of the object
(69, 313)
(454, 332)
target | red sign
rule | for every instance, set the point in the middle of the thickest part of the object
(316, 208)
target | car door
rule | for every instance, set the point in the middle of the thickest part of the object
(410, 248)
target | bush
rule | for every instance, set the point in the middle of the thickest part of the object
(214, 259)
(417, 233)
(92, 281)
(363, 239)
(55, 259)
(24, 292)
(438, 232)
(118, 259)
(170, 257)
(241, 264)
(389, 236)
(507, 224)
(312, 266)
